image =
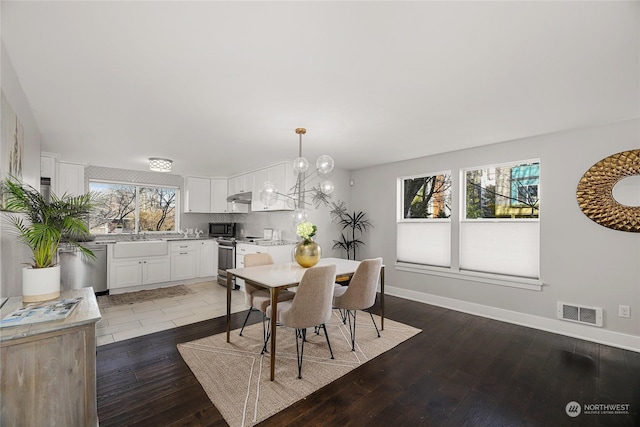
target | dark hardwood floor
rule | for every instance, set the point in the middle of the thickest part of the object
(461, 370)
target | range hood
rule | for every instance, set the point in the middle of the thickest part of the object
(240, 198)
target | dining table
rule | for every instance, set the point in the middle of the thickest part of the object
(276, 277)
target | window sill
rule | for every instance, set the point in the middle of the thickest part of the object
(493, 279)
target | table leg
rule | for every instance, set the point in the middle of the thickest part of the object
(274, 321)
(382, 298)
(229, 285)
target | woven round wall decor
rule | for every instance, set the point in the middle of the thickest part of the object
(595, 192)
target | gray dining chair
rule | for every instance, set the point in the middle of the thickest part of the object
(259, 298)
(359, 295)
(311, 307)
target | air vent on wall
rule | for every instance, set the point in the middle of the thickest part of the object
(580, 314)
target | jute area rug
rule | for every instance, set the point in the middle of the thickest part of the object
(105, 301)
(235, 375)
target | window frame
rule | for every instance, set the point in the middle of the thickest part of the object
(138, 186)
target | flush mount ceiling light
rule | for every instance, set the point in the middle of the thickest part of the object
(157, 164)
(295, 197)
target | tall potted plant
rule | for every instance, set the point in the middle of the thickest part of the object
(355, 221)
(43, 225)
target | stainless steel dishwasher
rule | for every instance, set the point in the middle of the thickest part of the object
(78, 271)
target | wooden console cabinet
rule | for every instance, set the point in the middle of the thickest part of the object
(48, 369)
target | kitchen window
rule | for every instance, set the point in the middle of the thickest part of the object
(131, 208)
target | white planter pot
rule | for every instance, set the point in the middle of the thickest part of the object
(40, 284)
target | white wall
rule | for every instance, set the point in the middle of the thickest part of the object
(13, 254)
(581, 262)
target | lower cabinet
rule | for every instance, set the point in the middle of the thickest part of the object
(184, 259)
(134, 272)
(184, 265)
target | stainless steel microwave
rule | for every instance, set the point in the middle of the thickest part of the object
(222, 229)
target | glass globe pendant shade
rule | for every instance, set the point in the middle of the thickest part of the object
(325, 165)
(269, 194)
(300, 165)
(327, 187)
(299, 215)
(290, 203)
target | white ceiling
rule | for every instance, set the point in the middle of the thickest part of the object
(219, 87)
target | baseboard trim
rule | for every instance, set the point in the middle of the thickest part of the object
(601, 336)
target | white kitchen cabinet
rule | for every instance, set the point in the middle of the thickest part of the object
(70, 179)
(48, 166)
(219, 204)
(129, 272)
(197, 195)
(219, 196)
(240, 184)
(184, 259)
(208, 258)
(283, 179)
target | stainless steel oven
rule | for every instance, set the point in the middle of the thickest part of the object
(226, 260)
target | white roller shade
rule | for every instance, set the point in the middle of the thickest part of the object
(427, 243)
(504, 247)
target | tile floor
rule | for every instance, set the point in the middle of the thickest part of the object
(207, 301)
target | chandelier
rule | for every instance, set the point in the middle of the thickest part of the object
(296, 196)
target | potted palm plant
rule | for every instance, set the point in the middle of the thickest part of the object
(355, 221)
(42, 224)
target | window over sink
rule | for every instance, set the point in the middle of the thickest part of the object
(134, 207)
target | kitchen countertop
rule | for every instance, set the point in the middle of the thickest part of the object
(126, 238)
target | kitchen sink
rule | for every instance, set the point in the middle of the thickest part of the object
(140, 248)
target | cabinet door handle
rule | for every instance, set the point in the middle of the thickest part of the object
(184, 253)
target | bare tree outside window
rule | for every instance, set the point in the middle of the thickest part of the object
(132, 208)
(427, 196)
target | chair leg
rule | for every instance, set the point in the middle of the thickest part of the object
(246, 319)
(266, 331)
(374, 323)
(300, 334)
(327, 336)
(351, 314)
(343, 316)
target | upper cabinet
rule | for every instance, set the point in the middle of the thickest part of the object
(282, 178)
(70, 179)
(204, 195)
(219, 196)
(197, 195)
(219, 204)
(48, 166)
(240, 184)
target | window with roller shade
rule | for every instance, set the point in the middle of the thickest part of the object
(498, 225)
(424, 224)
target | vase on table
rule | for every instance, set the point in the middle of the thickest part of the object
(307, 253)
